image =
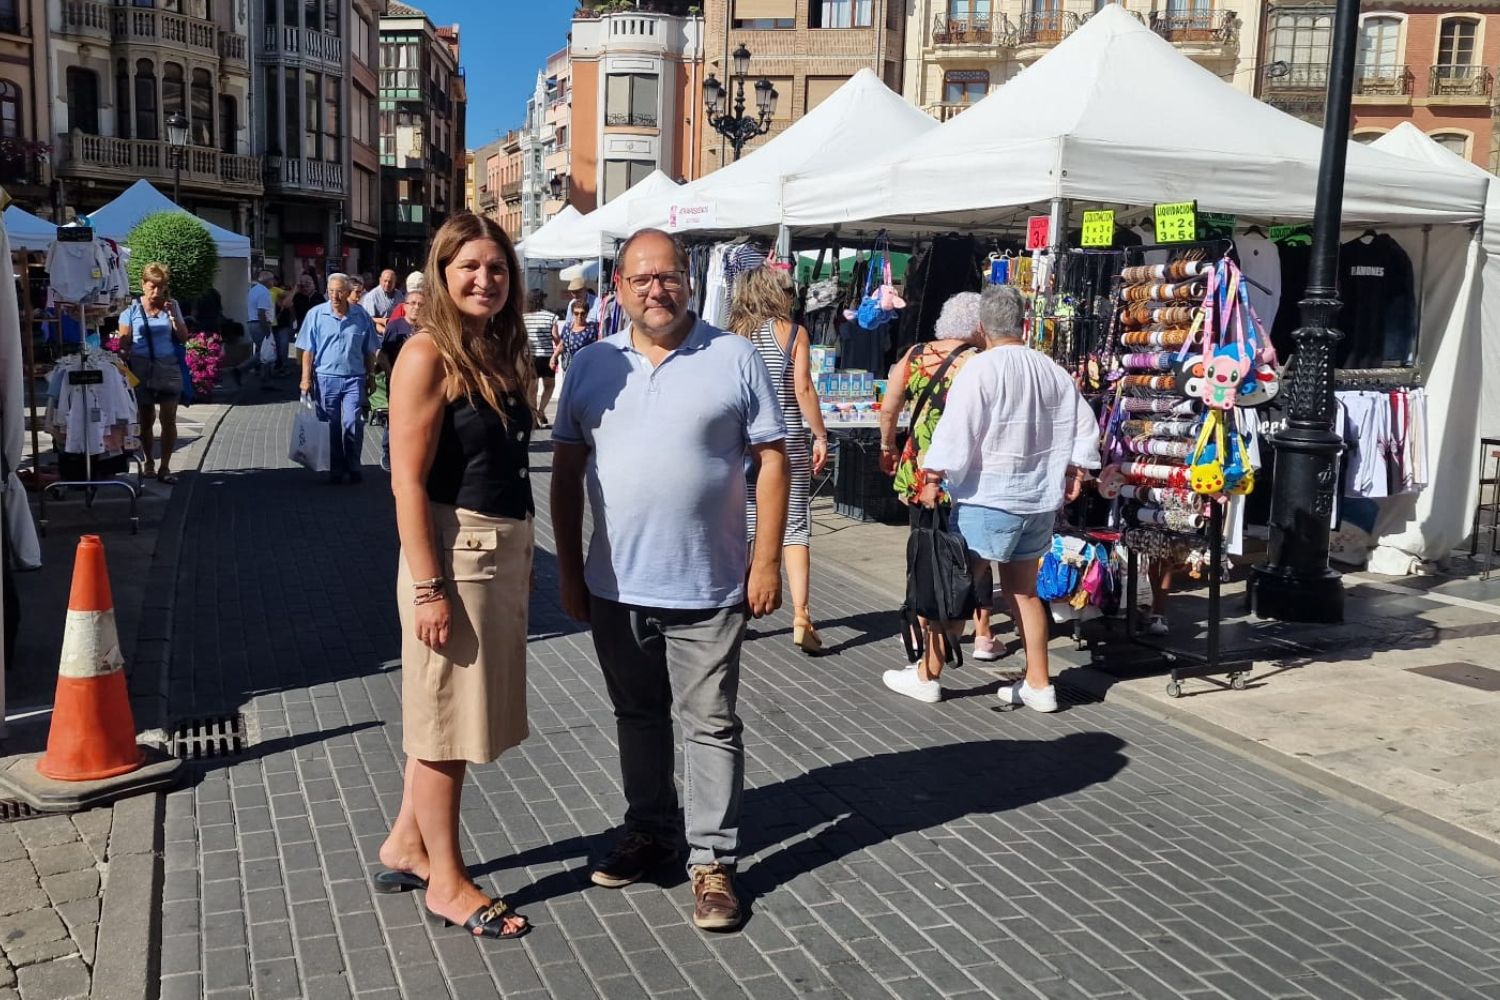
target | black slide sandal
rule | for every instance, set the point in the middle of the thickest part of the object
(391, 880)
(489, 921)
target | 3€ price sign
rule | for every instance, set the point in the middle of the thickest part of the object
(1177, 222)
(1099, 228)
(1038, 232)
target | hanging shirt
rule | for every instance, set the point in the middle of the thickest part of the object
(1379, 318)
(339, 344)
(78, 271)
(1260, 260)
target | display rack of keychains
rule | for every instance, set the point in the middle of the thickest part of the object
(1152, 433)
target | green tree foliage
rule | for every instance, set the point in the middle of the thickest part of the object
(179, 241)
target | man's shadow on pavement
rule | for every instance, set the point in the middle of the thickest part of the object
(859, 804)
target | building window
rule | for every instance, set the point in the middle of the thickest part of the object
(313, 95)
(965, 86)
(820, 88)
(332, 126)
(1366, 136)
(173, 91)
(313, 13)
(83, 100)
(630, 99)
(202, 102)
(1456, 143)
(1300, 39)
(122, 99)
(969, 10)
(1379, 46)
(622, 175)
(145, 101)
(291, 14)
(10, 18)
(840, 13)
(10, 110)
(1456, 42)
(764, 15)
(360, 125)
(291, 104)
(229, 124)
(361, 47)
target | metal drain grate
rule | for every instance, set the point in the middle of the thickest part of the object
(212, 738)
(14, 809)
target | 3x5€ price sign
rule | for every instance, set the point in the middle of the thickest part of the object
(1177, 222)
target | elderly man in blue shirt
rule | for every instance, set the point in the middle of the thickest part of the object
(338, 346)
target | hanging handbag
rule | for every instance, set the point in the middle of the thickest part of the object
(881, 303)
(1056, 578)
(1239, 475)
(1206, 468)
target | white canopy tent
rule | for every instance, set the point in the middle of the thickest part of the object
(1084, 126)
(862, 116)
(586, 236)
(1088, 122)
(116, 219)
(27, 231)
(1468, 373)
(552, 228)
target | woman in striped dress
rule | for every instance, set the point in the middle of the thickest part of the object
(541, 331)
(761, 311)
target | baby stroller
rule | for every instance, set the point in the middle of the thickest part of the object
(377, 414)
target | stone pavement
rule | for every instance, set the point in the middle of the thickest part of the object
(54, 871)
(892, 849)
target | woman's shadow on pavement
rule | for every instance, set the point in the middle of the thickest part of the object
(862, 803)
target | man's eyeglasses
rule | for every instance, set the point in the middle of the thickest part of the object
(671, 281)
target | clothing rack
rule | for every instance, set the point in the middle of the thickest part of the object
(87, 375)
(1377, 378)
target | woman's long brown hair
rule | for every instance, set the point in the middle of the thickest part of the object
(497, 360)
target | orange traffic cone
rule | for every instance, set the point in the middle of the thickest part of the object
(93, 730)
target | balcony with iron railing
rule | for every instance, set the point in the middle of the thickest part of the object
(1382, 84)
(630, 119)
(1196, 30)
(966, 33)
(944, 110)
(488, 199)
(297, 45)
(97, 20)
(1460, 84)
(510, 191)
(1298, 77)
(1039, 29)
(126, 160)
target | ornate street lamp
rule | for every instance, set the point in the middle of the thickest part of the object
(555, 185)
(177, 137)
(735, 127)
(1295, 582)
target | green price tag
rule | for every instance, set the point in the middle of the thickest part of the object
(1099, 228)
(1177, 222)
(1299, 235)
(1213, 225)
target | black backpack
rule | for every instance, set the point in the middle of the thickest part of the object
(939, 586)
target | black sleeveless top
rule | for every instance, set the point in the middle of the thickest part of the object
(481, 465)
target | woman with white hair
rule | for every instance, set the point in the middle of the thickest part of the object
(921, 379)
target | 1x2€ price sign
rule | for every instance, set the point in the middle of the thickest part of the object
(1177, 222)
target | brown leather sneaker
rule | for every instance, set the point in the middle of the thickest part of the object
(635, 856)
(715, 906)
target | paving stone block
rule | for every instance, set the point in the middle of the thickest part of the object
(64, 979)
(71, 886)
(67, 857)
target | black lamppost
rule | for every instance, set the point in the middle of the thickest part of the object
(735, 127)
(177, 137)
(1295, 582)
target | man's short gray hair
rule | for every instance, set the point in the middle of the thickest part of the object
(959, 319)
(265, 276)
(340, 277)
(1001, 312)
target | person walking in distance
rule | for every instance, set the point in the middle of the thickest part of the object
(541, 330)
(761, 311)
(260, 318)
(460, 444)
(382, 299)
(1014, 444)
(338, 344)
(152, 328)
(660, 419)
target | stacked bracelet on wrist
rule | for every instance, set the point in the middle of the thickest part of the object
(430, 591)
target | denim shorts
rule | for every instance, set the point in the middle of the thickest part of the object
(1000, 536)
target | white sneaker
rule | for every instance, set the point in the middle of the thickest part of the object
(1157, 625)
(987, 649)
(908, 683)
(1021, 693)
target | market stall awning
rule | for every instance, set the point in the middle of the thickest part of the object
(1116, 115)
(119, 217)
(584, 235)
(27, 231)
(858, 120)
(554, 226)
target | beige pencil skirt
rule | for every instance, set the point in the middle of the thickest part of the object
(467, 701)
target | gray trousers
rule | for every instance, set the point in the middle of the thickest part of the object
(657, 660)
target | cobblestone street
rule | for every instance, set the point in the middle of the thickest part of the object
(893, 849)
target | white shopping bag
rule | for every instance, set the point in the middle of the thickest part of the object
(268, 349)
(309, 446)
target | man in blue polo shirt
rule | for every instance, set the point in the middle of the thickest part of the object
(338, 346)
(659, 421)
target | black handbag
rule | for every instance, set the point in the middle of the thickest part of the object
(939, 586)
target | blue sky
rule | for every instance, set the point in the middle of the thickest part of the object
(503, 43)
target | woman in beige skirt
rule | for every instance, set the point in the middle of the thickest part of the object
(460, 425)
